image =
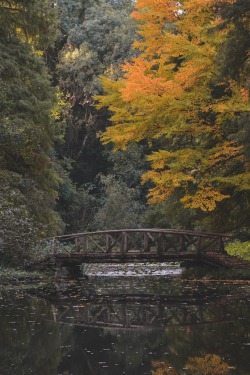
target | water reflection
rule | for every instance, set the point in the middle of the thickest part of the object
(144, 312)
(159, 326)
(210, 364)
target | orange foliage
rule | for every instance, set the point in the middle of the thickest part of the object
(166, 94)
(205, 198)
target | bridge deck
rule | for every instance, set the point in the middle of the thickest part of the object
(76, 259)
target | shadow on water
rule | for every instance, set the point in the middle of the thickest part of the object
(131, 325)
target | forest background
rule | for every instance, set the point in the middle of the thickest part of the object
(164, 84)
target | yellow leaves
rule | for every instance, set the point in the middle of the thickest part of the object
(223, 152)
(112, 97)
(121, 135)
(187, 76)
(159, 159)
(70, 55)
(156, 10)
(166, 182)
(205, 198)
(61, 106)
(23, 37)
(180, 160)
(172, 170)
(144, 78)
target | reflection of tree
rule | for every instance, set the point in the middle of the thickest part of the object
(162, 368)
(210, 364)
(29, 343)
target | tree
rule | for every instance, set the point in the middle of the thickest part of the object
(95, 38)
(27, 132)
(175, 97)
(120, 206)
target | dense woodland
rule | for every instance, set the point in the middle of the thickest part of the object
(122, 114)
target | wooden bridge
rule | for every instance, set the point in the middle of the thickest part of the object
(142, 245)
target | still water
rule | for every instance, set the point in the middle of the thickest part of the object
(125, 324)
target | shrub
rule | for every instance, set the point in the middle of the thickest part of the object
(239, 249)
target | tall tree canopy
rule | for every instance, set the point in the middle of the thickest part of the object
(95, 37)
(28, 175)
(180, 97)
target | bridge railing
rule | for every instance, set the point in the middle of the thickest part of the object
(135, 241)
(136, 314)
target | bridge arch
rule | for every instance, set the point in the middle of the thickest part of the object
(135, 245)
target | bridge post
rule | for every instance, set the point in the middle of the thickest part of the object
(221, 245)
(124, 243)
(108, 243)
(54, 247)
(200, 245)
(182, 242)
(85, 249)
(146, 242)
(160, 244)
(77, 245)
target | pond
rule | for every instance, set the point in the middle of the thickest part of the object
(120, 323)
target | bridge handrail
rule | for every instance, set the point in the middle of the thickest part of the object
(144, 230)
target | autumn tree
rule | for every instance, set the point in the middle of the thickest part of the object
(186, 106)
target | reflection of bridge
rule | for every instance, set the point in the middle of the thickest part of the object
(131, 313)
(132, 245)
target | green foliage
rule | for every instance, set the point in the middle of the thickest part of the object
(33, 21)
(29, 180)
(77, 205)
(26, 216)
(120, 207)
(95, 37)
(12, 275)
(172, 214)
(128, 165)
(239, 249)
